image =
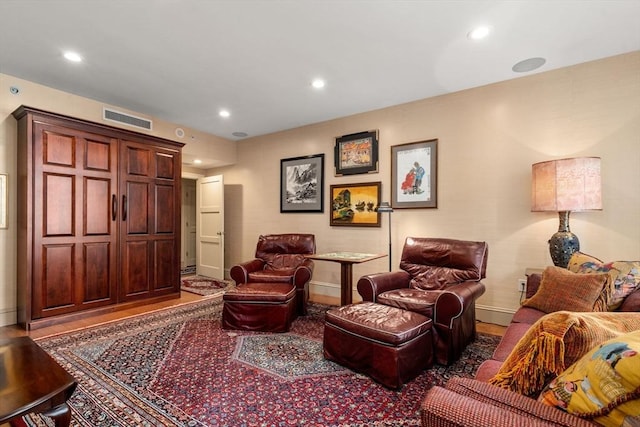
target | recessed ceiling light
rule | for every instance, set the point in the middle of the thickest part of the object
(528, 65)
(318, 83)
(197, 161)
(72, 56)
(479, 33)
(240, 134)
(224, 113)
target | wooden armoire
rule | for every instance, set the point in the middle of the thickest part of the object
(98, 218)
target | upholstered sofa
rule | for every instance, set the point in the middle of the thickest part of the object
(488, 400)
(440, 279)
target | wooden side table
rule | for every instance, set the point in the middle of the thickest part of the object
(32, 381)
(346, 260)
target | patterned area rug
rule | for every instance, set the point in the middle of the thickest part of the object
(178, 367)
(204, 285)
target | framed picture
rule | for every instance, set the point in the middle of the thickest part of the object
(355, 205)
(301, 184)
(356, 153)
(4, 198)
(414, 175)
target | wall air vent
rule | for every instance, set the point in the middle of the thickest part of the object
(127, 119)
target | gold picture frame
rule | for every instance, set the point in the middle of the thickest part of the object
(355, 205)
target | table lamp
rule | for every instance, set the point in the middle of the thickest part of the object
(385, 207)
(563, 186)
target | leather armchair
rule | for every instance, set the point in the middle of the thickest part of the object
(280, 258)
(441, 279)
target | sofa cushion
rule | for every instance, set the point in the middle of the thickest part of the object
(556, 341)
(487, 370)
(624, 276)
(562, 289)
(509, 340)
(604, 384)
(527, 315)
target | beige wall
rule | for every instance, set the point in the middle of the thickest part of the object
(198, 144)
(488, 139)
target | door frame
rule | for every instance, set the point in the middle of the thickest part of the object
(191, 176)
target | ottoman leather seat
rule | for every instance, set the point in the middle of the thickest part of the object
(389, 344)
(265, 307)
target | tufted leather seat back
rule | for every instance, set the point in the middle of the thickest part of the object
(281, 251)
(435, 263)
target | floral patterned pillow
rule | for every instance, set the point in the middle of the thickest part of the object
(624, 276)
(604, 385)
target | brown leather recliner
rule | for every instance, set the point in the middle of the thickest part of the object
(280, 258)
(441, 279)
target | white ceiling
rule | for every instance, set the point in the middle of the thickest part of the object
(184, 60)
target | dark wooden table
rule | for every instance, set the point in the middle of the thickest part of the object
(346, 260)
(31, 381)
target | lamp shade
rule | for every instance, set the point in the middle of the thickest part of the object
(566, 185)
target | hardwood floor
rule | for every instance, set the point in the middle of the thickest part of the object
(185, 297)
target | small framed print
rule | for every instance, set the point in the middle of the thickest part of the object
(413, 175)
(356, 153)
(355, 205)
(301, 184)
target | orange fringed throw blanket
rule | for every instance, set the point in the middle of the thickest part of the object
(554, 343)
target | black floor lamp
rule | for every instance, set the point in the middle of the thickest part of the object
(384, 207)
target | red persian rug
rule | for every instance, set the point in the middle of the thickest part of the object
(177, 367)
(203, 285)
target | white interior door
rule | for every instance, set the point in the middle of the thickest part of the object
(210, 226)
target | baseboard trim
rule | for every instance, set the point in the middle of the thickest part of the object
(331, 290)
(496, 315)
(8, 317)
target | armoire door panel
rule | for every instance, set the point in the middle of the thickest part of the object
(97, 206)
(165, 212)
(59, 205)
(58, 276)
(166, 263)
(137, 161)
(98, 155)
(58, 149)
(135, 268)
(99, 273)
(165, 166)
(137, 208)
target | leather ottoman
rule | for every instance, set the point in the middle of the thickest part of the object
(389, 344)
(266, 307)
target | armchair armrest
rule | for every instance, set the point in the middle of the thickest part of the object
(372, 285)
(303, 273)
(455, 300)
(240, 272)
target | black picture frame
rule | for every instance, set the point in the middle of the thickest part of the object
(356, 153)
(414, 173)
(355, 205)
(302, 184)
